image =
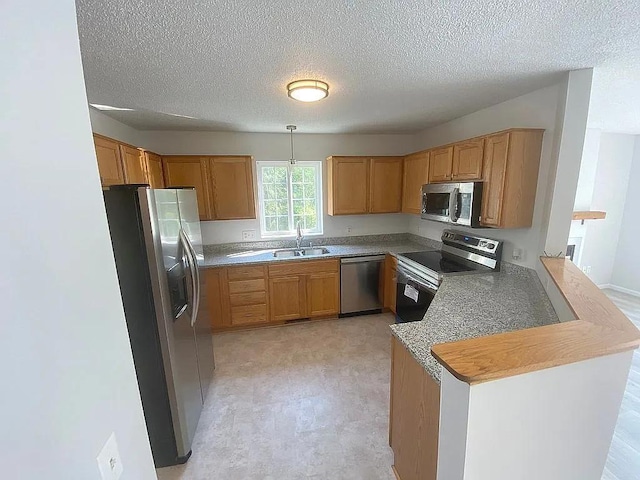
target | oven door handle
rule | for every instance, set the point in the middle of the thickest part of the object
(421, 283)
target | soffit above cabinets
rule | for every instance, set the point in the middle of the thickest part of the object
(393, 67)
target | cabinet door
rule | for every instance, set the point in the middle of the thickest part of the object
(287, 298)
(232, 181)
(213, 285)
(349, 185)
(390, 291)
(416, 174)
(189, 172)
(467, 160)
(323, 294)
(385, 185)
(440, 164)
(153, 165)
(133, 163)
(109, 161)
(496, 152)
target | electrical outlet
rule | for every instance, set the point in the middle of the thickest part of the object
(586, 269)
(248, 235)
(109, 461)
(349, 229)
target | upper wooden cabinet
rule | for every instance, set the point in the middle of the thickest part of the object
(359, 185)
(511, 164)
(467, 160)
(416, 174)
(224, 184)
(232, 180)
(133, 164)
(153, 166)
(440, 164)
(385, 184)
(189, 171)
(348, 185)
(109, 161)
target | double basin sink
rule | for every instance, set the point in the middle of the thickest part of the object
(300, 252)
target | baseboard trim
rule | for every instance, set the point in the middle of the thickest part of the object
(628, 291)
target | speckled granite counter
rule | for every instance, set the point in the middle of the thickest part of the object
(261, 252)
(475, 305)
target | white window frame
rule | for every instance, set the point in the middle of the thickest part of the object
(319, 205)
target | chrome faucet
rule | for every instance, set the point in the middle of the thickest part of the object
(299, 235)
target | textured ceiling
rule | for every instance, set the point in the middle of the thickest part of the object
(393, 66)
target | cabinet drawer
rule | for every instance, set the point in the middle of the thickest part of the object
(249, 314)
(245, 273)
(249, 298)
(244, 286)
(305, 267)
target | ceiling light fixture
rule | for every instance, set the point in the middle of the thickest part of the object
(308, 90)
(291, 128)
(109, 108)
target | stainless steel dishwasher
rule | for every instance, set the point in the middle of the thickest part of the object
(360, 284)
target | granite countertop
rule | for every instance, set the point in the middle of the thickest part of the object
(476, 305)
(247, 254)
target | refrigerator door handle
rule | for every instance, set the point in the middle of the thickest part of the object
(194, 259)
(194, 273)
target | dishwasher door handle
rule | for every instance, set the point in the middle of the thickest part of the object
(371, 258)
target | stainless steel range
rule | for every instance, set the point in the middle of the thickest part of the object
(420, 273)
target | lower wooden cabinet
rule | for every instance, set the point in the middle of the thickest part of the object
(390, 277)
(414, 418)
(323, 294)
(287, 296)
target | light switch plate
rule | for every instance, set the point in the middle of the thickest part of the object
(109, 461)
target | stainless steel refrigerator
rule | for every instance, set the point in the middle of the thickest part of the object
(157, 246)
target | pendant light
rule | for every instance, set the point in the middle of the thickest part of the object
(291, 128)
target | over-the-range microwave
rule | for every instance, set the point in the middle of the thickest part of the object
(455, 203)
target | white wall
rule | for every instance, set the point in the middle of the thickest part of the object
(66, 363)
(552, 424)
(626, 273)
(276, 146)
(107, 126)
(608, 193)
(535, 110)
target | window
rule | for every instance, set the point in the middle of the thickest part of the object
(289, 194)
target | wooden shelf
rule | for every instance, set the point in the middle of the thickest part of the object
(589, 215)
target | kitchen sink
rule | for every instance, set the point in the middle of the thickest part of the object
(291, 252)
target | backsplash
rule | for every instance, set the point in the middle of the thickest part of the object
(352, 240)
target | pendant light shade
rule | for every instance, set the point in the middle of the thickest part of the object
(308, 90)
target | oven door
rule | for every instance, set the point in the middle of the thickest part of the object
(438, 202)
(413, 296)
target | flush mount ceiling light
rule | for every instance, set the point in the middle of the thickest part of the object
(308, 90)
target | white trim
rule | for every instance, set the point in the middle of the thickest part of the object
(628, 291)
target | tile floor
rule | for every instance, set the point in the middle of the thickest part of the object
(302, 401)
(623, 462)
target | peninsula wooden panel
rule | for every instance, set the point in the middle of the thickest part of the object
(385, 184)
(589, 215)
(416, 174)
(109, 161)
(348, 185)
(153, 165)
(232, 187)
(467, 160)
(214, 297)
(189, 171)
(601, 329)
(323, 294)
(414, 417)
(287, 298)
(440, 164)
(390, 290)
(133, 165)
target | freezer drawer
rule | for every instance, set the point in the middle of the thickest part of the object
(360, 284)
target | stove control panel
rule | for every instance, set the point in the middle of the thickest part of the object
(487, 245)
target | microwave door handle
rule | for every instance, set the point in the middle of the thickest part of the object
(453, 205)
(183, 241)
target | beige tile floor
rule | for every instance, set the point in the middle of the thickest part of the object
(301, 401)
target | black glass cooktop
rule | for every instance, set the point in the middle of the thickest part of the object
(441, 263)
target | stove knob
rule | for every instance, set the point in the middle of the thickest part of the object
(483, 243)
(491, 246)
